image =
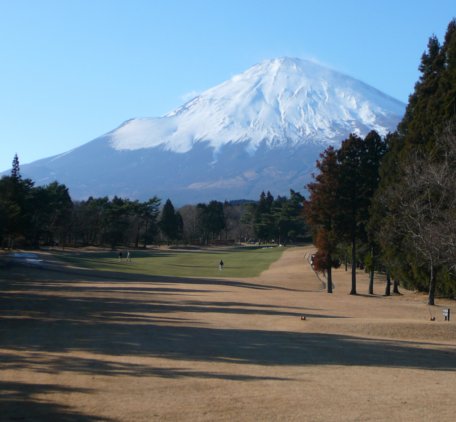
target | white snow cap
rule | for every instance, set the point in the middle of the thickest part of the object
(276, 101)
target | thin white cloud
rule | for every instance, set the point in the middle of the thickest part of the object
(189, 96)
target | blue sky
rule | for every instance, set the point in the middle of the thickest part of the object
(73, 70)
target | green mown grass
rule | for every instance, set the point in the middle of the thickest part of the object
(239, 262)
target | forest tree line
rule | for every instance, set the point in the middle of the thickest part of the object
(34, 216)
(390, 204)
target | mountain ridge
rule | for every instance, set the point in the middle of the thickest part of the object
(299, 100)
(260, 130)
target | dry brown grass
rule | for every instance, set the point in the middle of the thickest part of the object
(84, 348)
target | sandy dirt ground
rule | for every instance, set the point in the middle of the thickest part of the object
(78, 346)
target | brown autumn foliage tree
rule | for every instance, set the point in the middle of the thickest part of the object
(320, 211)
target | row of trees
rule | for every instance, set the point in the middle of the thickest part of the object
(46, 215)
(277, 220)
(340, 197)
(37, 211)
(392, 202)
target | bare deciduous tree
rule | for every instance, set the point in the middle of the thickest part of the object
(424, 203)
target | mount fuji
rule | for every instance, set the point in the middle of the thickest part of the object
(260, 130)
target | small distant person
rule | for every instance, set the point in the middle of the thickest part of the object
(120, 256)
(221, 264)
(128, 256)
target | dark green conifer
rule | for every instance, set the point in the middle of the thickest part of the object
(15, 170)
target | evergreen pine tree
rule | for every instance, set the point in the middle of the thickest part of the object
(431, 108)
(15, 170)
(169, 225)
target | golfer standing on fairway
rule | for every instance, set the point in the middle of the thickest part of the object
(221, 265)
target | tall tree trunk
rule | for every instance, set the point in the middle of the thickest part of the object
(371, 281)
(396, 286)
(145, 233)
(388, 284)
(371, 274)
(353, 287)
(137, 237)
(431, 296)
(329, 282)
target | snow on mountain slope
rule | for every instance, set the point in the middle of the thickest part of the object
(278, 101)
(260, 130)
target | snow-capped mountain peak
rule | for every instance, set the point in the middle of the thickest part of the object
(277, 101)
(261, 130)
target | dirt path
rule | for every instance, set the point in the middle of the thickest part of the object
(75, 348)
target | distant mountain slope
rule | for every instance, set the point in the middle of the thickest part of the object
(260, 130)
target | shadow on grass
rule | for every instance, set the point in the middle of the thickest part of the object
(19, 402)
(77, 274)
(38, 317)
(189, 343)
(201, 263)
